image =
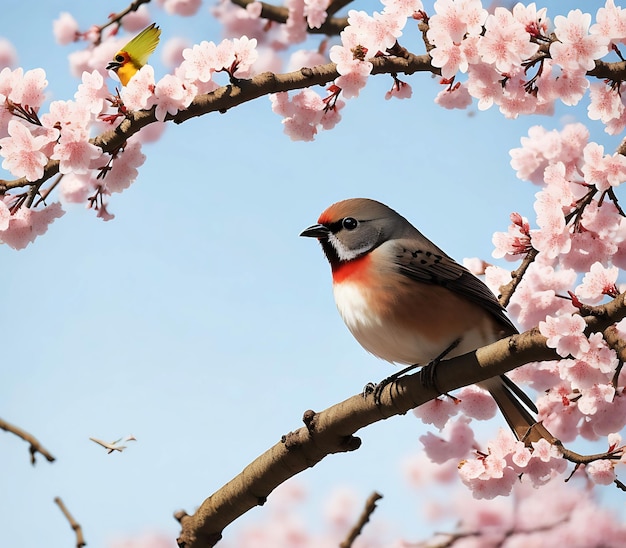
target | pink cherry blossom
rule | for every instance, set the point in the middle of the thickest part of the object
(536, 296)
(604, 408)
(558, 413)
(74, 152)
(570, 86)
(352, 81)
(535, 21)
(601, 472)
(597, 240)
(545, 460)
(597, 283)
(437, 411)
(603, 171)
(22, 151)
(452, 57)
(28, 87)
(551, 238)
(302, 113)
(26, 224)
(65, 29)
(460, 439)
(506, 42)
(172, 51)
(137, 20)
(599, 356)
(305, 58)
(591, 399)
(565, 334)
(576, 48)
(315, 12)
(400, 90)
(514, 242)
(296, 24)
(76, 188)
(5, 215)
(455, 97)
(8, 54)
(484, 83)
(456, 18)
(402, 8)
(605, 102)
(476, 403)
(245, 55)
(138, 94)
(186, 8)
(611, 23)
(198, 64)
(238, 22)
(92, 93)
(172, 95)
(124, 170)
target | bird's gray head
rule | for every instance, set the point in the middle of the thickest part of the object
(351, 228)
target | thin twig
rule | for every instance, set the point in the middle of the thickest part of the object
(370, 506)
(80, 541)
(506, 291)
(34, 445)
(117, 17)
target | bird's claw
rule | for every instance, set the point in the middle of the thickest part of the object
(368, 389)
(377, 389)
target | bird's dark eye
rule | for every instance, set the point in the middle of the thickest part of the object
(119, 58)
(349, 223)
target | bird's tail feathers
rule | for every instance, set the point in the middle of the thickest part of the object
(509, 398)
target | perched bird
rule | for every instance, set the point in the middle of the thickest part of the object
(406, 301)
(134, 55)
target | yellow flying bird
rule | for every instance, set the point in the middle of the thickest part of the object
(134, 55)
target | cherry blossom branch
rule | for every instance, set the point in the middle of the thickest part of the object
(230, 96)
(506, 291)
(34, 445)
(278, 14)
(400, 61)
(116, 18)
(80, 541)
(332, 430)
(370, 506)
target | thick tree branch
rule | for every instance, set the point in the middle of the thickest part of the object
(332, 431)
(34, 445)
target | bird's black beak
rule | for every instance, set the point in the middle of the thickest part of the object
(320, 232)
(113, 65)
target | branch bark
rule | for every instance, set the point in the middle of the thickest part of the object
(80, 540)
(332, 430)
(34, 445)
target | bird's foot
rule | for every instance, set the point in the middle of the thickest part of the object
(428, 374)
(377, 389)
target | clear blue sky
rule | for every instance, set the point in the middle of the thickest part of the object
(198, 320)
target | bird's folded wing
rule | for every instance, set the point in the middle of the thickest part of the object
(435, 267)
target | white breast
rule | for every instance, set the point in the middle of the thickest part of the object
(386, 339)
(377, 335)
